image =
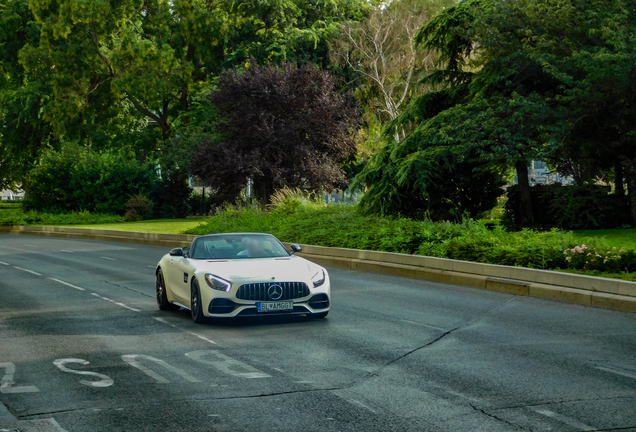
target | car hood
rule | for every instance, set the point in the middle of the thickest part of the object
(293, 269)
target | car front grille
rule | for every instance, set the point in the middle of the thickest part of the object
(259, 291)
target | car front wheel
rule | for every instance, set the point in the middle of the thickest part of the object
(162, 297)
(195, 303)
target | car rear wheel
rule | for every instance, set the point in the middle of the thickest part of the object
(162, 297)
(195, 303)
(318, 315)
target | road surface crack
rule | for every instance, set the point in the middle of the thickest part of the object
(499, 419)
(128, 288)
(443, 335)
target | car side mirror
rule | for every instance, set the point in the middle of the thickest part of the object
(295, 248)
(176, 252)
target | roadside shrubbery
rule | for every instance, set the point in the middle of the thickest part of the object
(18, 217)
(343, 226)
(77, 179)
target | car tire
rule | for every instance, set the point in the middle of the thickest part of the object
(162, 296)
(196, 308)
(318, 315)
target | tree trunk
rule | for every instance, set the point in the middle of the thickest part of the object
(619, 187)
(526, 216)
(631, 189)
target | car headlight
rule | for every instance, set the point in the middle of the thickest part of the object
(217, 283)
(319, 278)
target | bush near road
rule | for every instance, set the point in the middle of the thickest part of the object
(344, 226)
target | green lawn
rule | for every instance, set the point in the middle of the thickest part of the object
(614, 237)
(164, 226)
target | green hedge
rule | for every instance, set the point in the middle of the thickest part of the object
(343, 226)
(18, 217)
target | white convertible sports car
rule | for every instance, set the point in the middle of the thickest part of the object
(241, 274)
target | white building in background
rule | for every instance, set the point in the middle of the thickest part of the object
(8, 194)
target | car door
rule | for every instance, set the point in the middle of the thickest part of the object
(181, 271)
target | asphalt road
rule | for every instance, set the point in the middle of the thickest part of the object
(83, 347)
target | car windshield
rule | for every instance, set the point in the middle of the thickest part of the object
(237, 246)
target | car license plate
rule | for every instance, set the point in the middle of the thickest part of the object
(275, 306)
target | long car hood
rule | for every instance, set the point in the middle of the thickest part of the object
(294, 269)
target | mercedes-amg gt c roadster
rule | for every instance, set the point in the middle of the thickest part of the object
(241, 274)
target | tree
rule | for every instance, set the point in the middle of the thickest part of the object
(147, 55)
(279, 126)
(382, 53)
(23, 133)
(524, 80)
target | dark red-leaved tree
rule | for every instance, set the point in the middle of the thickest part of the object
(280, 126)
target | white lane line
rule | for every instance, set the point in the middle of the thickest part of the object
(67, 284)
(108, 258)
(361, 404)
(31, 246)
(4, 263)
(28, 271)
(67, 251)
(617, 371)
(117, 303)
(127, 307)
(189, 332)
(279, 370)
(424, 325)
(152, 266)
(203, 338)
(563, 419)
(302, 382)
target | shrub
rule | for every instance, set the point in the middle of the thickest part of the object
(17, 217)
(76, 178)
(138, 208)
(343, 226)
(585, 206)
(604, 259)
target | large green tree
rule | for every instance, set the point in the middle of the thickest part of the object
(523, 80)
(149, 54)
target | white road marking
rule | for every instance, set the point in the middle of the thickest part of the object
(424, 325)
(117, 303)
(4, 263)
(303, 382)
(361, 404)
(67, 251)
(279, 370)
(105, 380)
(67, 284)
(226, 364)
(617, 371)
(31, 246)
(108, 258)
(131, 359)
(189, 332)
(6, 384)
(214, 415)
(152, 266)
(164, 321)
(28, 271)
(563, 419)
(203, 338)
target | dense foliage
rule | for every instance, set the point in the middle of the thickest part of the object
(522, 80)
(278, 126)
(19, 217)
(128, 73)
(344, 226)
(76, 179)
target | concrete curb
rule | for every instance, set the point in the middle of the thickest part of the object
(571, 288)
